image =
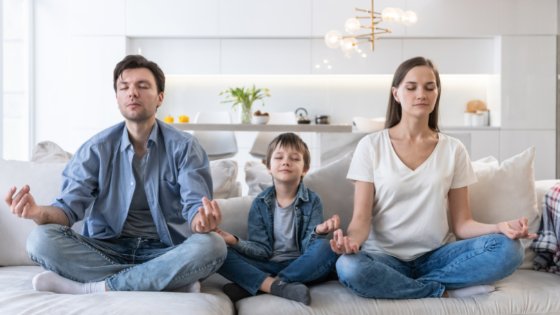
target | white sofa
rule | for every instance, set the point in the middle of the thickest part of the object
(505, 190)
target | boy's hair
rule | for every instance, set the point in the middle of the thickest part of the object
(138, 61)
(289, 140)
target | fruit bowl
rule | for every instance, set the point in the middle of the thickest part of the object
(260, 120)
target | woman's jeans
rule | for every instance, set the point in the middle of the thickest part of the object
(126, 264)
(476, 261)
(315, 264)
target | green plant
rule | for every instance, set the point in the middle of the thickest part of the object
(245, 97)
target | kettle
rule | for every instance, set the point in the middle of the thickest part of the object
(301, 114)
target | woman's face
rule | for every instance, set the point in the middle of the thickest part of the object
(418, 92)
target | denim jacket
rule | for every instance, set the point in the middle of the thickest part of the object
(260, 243)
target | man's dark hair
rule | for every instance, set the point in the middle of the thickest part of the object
(138, 61)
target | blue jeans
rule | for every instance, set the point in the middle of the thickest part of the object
(314, 264)
(464, 263)
(126, 264)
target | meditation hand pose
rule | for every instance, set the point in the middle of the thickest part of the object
(408, 178)
(286, 245)
(141, 189)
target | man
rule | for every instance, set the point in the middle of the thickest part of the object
(140, 187)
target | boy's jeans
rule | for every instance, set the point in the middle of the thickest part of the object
(475, 261)
(313, 265)
(126, 264)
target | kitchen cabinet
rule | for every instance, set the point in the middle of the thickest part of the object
(528, 74)
(180, 56)
(265, 56)
(257, 18)
(102, 17)
(514, 141)
(172, 18)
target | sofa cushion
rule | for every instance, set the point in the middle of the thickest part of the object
(257, 177)
(44, 180)
(505, 192)
(235, 213)
(224, 178)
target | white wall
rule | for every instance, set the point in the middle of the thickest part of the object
(206, 46)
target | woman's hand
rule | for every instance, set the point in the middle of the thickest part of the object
(341, 244)
(516, 229)
(329, 225)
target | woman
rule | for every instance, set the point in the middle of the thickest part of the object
(406, 177)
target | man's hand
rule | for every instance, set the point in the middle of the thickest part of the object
(208, 217)
(329, 225)
(341, 244)
(22, 203)
(516, 229)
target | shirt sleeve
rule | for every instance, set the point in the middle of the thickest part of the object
(79, 184)
(195, 179)
(361, 167)
(463, 174)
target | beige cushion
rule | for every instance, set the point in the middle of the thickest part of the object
(505, 192)
(224, 178)
(257, 177)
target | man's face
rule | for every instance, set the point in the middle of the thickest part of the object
(137, 95)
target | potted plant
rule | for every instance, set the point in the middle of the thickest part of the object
(244, 97)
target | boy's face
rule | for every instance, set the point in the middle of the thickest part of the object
(286, 165)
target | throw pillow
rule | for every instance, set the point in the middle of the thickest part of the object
(336, 192)
(505, 192)
(48, 151)
(224, 178)
(257, 177)
(44, 180)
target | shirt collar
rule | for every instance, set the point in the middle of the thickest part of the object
(152, 139)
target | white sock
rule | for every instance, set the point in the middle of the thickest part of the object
(189, 288)
(470, 291)
(52, 282)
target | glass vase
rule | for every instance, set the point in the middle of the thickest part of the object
(246, 114)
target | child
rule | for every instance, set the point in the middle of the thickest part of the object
(286, 244)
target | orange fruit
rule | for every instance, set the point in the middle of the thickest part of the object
(168, 119)
(184, 119)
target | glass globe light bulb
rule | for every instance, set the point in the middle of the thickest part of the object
(390, 15)
(348, 44)
(352, 25)
(333, 39)
(409, 18)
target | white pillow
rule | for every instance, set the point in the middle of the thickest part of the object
(336, 192)
(44, 180)
(257, 177)
(224, 178)
(49, 152)
(505, 192)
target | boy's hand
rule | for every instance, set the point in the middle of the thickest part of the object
(329, 225)
(208, 217)
(228, 237)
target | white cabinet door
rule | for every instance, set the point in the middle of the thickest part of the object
(528, 17)
(514, 141)
(330, 15)
(180, 56)
(528, 82)
(479, 143)
(266, 56)
(264, 18)
(168, 18)
(383, 60)
(454, 56)
(444, 18)
(102, 17)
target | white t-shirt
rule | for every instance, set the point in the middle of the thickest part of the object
(410, 207)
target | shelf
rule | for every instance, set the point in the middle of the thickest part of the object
(251, 127)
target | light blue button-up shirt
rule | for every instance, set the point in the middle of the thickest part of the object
(98, 183)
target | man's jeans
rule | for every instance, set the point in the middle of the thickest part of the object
(126, 264)
(313, 265)
(476, 261)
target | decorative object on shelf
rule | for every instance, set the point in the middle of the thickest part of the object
(184, 118)
(349, 43)
(477, 114)
(260, 118)
(168, 119)
(301, 114)
(245, 97)
(322, 119)
(367, 124)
